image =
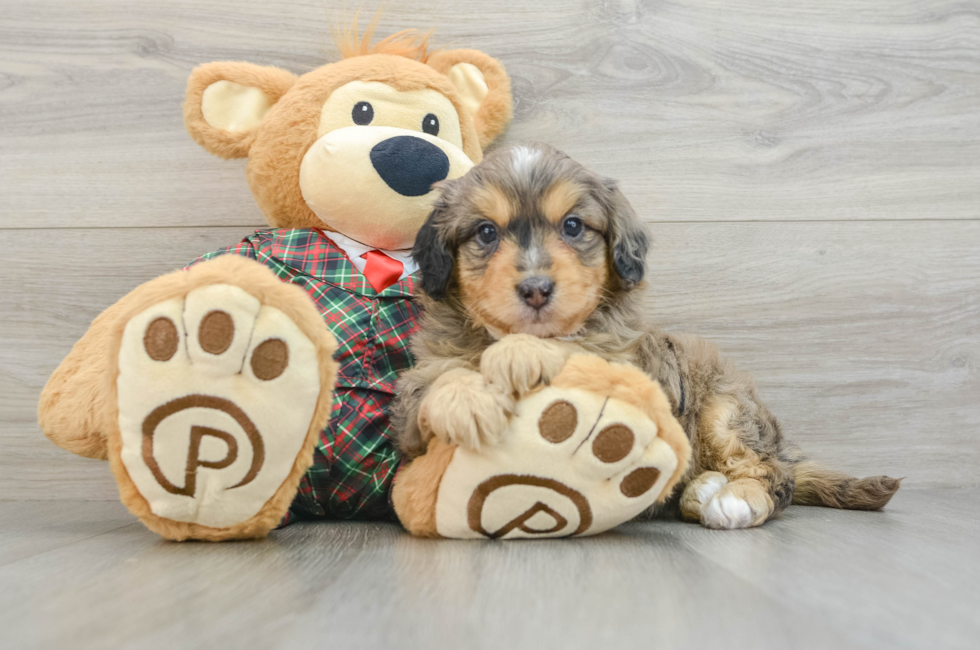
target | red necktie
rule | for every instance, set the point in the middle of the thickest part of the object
(381, 271)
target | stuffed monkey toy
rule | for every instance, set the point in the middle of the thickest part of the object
(252, 388)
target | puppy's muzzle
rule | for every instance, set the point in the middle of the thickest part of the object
(409, 165)
(536, 291)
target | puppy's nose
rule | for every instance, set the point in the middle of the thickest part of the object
(409, 165)
(536, 291)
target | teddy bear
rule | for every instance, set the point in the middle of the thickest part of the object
(252, 388)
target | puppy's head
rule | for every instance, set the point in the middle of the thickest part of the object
(530, 241)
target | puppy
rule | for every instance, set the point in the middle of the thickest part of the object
(530, 258)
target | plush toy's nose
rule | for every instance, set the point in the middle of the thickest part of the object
(409, 165)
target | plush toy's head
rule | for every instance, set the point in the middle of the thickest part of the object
(353, 146)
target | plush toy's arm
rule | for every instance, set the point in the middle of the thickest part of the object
(77, 396)
(416, 489)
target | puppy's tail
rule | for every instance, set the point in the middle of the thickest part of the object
(819, 486)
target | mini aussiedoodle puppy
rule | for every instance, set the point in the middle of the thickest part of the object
(533, 252)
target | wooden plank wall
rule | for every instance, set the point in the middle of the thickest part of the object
(810, 170)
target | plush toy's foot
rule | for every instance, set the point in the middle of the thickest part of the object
(220, 396)
(581, 456)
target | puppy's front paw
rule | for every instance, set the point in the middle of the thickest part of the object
(520, 362)
(461, 409)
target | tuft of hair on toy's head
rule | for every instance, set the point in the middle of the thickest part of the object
(409, 43)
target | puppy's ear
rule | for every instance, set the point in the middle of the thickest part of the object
(628, 239)
(431, 252)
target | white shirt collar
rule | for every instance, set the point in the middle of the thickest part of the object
(355, 249)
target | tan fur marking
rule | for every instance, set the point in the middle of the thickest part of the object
(560, 198)
(578, 287)
(722, 445)
(494, 204)
(489, 295)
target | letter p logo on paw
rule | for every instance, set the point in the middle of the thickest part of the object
(197, 436)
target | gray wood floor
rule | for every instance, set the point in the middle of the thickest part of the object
(86, 575)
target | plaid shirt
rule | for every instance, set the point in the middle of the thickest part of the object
(355, 460)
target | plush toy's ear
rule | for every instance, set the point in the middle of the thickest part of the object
(227, 100)
(628, 238)
(482, 84)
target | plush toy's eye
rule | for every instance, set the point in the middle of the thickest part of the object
(363, 113)
(487, 233)
(430, 124)
(572, 227)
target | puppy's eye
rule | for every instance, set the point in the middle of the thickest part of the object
(487, 233)
(572, 227)
(430, 124)
(363, 113)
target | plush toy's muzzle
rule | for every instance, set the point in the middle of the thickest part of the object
(374, 183)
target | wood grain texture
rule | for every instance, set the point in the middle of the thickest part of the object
(26, 532)
(864, 337)
(813, 578)
(707, 111)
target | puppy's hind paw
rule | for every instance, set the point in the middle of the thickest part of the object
(743, 503)
(461, 409)
(698, 492)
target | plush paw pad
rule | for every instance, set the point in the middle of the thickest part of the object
(216, 393)
(571, 462)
